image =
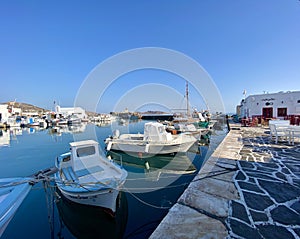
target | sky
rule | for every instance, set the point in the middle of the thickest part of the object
(49, 48)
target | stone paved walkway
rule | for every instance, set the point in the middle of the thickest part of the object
(268, 182)
(249, 188)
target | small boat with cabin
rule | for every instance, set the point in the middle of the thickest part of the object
(155, 140)
(86, 177)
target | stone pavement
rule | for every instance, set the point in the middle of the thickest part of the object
(248, 188)
(268, 182)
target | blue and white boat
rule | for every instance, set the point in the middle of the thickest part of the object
(86, 177)
(12, 193)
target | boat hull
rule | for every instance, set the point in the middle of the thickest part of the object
(11, 198)
(102, 198)
(136, 146)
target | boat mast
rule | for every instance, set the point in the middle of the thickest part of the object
(187, 98)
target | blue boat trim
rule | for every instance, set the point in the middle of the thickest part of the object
(69, 174)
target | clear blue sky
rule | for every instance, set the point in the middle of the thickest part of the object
(47, 48)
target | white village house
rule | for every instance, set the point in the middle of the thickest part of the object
(68, 111)
(4, 113)
(281, 105)
(7, 110)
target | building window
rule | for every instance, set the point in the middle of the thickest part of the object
(298, 101)
(281, 112)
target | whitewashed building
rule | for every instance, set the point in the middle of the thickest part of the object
(16, 111)
(271, 105)
(7, 111)
(68, 111)
(4, 113)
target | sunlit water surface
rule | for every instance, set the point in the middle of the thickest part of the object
(152, 187)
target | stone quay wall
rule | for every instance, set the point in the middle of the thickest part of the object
(248, 188)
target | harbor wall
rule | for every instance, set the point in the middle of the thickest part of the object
(202, 209)
(248, 188)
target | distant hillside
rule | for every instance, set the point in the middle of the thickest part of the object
(92, 114)
(155, 112)
(32, 108)
(26, 107)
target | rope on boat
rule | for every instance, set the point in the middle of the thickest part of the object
(11, 184)
(42, 175)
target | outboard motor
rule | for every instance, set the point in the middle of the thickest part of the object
(116, 134)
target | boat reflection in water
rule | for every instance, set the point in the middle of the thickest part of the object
(153, 185)
(175, 164)
(93, 222)
(150, 173)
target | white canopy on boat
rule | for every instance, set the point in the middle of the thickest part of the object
(154, 131)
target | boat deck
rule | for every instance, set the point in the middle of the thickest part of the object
(92, 174)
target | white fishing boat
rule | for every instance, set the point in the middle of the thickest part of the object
(12, 193)
(86, 177)
(73, 120)
(12, 122)
(155, 140)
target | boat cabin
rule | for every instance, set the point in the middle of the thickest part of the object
(154, 131)
(84, 152)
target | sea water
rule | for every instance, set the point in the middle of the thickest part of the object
(152, 187)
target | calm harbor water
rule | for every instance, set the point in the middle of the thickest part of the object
(153, 185)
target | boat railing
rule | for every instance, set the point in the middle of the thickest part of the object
(120, 157)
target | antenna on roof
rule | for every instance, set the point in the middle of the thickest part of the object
(244, 93)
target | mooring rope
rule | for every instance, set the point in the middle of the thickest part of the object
(49, 195)
(146, 203)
